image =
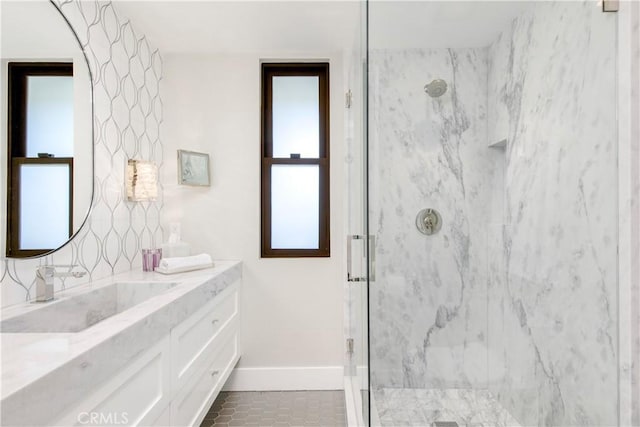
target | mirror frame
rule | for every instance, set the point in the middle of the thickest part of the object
(93, 151)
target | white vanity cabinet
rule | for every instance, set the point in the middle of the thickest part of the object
(137, 395)
(175, 382)
(204, 350)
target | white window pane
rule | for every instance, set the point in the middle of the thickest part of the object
(296, 116)
(50, 115)
(44, 206)
(295, 198)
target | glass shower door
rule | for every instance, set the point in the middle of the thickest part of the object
(492, 195)
(357, 240)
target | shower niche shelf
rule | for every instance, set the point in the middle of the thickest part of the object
(501, 144)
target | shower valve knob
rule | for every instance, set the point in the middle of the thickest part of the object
(428, 221)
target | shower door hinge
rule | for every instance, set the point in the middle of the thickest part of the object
(350, 346)
(348, 99)
(610, 5)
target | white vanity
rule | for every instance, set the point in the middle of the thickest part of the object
(135, 349)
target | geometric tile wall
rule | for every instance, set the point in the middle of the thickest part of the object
(126, 75)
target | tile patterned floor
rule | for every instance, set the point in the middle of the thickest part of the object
(277, 409)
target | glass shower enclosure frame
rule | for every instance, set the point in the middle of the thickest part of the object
(508, 313)
(358, 242)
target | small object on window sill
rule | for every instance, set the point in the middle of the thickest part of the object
(295, 155)
(45, 155)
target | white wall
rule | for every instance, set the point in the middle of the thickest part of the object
(291, 308)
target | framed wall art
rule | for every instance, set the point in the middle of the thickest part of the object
(193, 168)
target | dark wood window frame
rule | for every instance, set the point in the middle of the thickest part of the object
(269, 70)
(17, 74)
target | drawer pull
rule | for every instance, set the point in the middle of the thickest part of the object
(214, 321)
(214, 373)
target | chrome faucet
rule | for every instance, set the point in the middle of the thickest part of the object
(44, 280)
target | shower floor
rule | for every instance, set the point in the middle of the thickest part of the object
(422, 407)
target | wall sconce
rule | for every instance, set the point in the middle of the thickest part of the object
(142, 180)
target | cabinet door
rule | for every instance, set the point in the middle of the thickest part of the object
(190, 405)
(164, 419)
(194, 340)
(136, 396)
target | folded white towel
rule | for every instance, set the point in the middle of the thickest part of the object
(185, 263)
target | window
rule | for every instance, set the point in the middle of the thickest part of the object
(40, 157)
(295, 160)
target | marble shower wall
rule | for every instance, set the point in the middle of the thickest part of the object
(127, 116)
(517, 293)
(552, 334)
(428, 302)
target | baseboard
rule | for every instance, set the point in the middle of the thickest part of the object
(286, 378)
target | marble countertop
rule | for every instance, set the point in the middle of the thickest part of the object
(57, 369)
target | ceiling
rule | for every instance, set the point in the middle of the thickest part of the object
(244, 26)
(440, 24)
(185, 26)
(34, 29)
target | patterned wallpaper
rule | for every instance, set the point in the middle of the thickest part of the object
(127, 116)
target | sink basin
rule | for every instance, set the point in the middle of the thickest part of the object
(81, 311)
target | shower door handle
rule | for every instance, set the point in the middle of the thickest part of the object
(350, 239)
(372, 257)
(372, 247)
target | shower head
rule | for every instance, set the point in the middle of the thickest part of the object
(436, 88)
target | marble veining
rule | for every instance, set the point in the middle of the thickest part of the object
(553, 351)
(517, 293)
(34, 365)
(629, 172)
(73, 314)
(428, 302)
(422, 407)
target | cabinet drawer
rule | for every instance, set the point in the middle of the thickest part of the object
(191, 403)
(137, 395)
(193, 340)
